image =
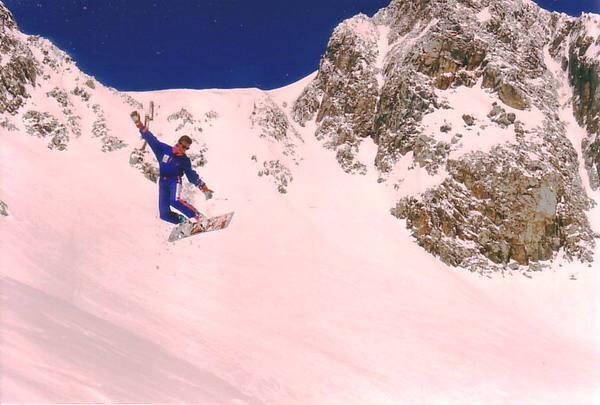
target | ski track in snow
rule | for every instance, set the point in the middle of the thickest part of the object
(314, 297)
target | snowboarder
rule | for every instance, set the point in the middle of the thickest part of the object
(173, 163)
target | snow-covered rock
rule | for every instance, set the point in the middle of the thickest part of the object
(470, 84)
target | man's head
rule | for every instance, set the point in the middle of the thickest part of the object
(182, 145)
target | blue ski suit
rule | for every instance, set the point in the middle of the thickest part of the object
(172, 167)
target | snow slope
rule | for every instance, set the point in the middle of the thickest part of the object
(316, 296)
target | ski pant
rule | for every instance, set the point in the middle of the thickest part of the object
(169, 196)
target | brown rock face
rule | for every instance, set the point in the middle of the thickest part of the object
(503, 211)
(389, 76)
(583, 67)
(20, 69)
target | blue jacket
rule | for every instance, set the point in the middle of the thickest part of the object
(171, 166)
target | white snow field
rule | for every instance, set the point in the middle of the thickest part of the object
(317, 296)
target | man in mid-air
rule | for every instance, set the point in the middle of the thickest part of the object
(173, 163)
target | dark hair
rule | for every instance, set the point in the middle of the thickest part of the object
(185, 138)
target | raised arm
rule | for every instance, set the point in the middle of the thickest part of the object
(146, 134)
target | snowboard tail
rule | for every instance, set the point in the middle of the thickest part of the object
(213, 224)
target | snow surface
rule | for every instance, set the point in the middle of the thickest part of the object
(484, 15)
(318, 296)
(383, 48)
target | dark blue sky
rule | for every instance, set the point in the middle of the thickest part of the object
(164, 44)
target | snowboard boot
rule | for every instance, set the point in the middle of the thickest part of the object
(185, 226)
(201, 224)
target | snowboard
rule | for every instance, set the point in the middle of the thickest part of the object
(214, 224)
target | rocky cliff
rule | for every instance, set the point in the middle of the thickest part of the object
(17, 65)
(478, 98)
(33, 71)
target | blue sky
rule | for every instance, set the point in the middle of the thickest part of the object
(163, 44)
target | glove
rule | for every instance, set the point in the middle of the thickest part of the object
(135, 117)
(208, 193)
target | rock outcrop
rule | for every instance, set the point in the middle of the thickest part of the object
(583, 66)
(19, 69)
(343, 96)
(3, 209)
(30, 65)
(475, 93)
(275, 128)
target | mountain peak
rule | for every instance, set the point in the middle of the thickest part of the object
(408, 82)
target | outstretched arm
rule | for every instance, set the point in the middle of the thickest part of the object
(195, 179)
